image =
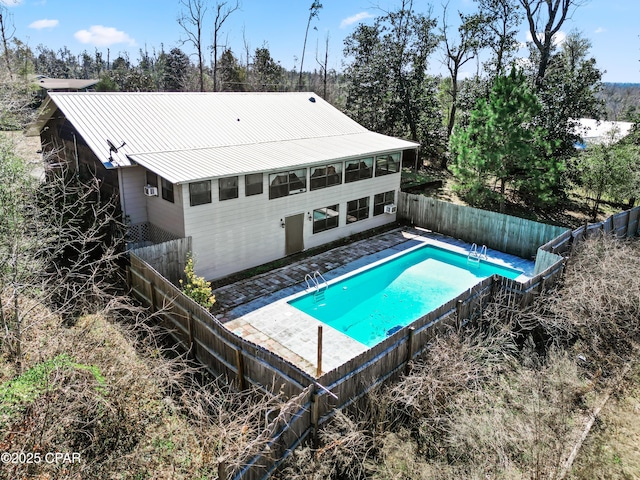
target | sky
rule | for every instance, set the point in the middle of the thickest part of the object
(131, 25)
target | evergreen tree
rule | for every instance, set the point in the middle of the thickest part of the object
(503, 145)
(389, 90)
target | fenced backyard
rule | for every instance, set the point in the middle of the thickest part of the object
(313, 401)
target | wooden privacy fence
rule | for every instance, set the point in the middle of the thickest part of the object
(504, 233)
(314, 401)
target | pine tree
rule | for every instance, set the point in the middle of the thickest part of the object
(502, 144)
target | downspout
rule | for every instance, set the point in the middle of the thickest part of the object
(123, 205)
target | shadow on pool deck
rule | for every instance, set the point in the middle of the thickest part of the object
(255, 308)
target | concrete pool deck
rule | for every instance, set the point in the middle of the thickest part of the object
(257, 309)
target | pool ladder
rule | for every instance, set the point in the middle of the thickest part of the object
(476, 255)
(313, 282)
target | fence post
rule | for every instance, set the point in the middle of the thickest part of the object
(459, 314)
(411, 332)
(192, 343)
(315, 417)
(240, 368)
(319, 368)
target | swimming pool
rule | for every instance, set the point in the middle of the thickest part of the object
(375, 302)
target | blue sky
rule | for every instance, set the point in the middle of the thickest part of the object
(129, 25)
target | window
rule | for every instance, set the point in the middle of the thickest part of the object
(152, 179)
(382, 199)
(287, 183)
(326, 176)
(252, 184)
(358, 169)
(167, 190)
(387, 164)
(200, 193)
(357, 209)
(228, 188)
(325, 218)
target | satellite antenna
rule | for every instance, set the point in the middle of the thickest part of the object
(113, 148)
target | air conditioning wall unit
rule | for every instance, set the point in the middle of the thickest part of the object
(150, 191)
(391, 208)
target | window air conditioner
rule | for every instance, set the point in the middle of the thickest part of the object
(391, 208)
(150, 191)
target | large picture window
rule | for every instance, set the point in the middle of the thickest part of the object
(228, 188)
(167, 190)
(382, 199)
(357, 209)
(387, 164)
(252, 184)
(325, 218)
(324, 176)
(359, 169)
(287, 183)
(200, 193)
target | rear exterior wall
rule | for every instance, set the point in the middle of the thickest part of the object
(232, 235)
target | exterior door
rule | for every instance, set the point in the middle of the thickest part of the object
(293, 227)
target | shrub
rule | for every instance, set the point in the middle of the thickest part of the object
(197, 287)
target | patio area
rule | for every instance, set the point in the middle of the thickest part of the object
(257, 309)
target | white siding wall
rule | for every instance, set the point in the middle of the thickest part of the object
(165, 214)
(232, 235)
(140, 208)
(135, 202)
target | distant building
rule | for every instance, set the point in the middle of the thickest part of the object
(593, 132)
(250, 177)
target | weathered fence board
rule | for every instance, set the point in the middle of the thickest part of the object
(168, 258)
(505, 233)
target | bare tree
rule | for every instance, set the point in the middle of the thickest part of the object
(545, 18)
(60, 242)
(503, 18)
(192, 22)
(324, 66)
(471, 37)
(222, 13)
(6, 37)
(313, 12)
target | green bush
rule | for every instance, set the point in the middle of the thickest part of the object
(195, 287)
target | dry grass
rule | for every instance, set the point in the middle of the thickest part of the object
(131, 408)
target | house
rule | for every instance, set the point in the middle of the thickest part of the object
(594, 132)
(250, 177)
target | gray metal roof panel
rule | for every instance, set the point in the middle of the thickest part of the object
(180, 133)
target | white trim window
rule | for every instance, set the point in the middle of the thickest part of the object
(253, 184)
(199, 193)
(228, 188)
(357, 210)
(382, 199)
(387, 164)
(323, 176)
(282, 184)
(359, 169)
(325, 218)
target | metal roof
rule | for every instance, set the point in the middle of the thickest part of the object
(192, 136)
(65, 83)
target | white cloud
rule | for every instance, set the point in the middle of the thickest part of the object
(44, 23)
(355, 19)
(10, 3)
(558, 38)
(600, 30)
(101, 36)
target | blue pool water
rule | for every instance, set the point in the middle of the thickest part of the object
(369, 305)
